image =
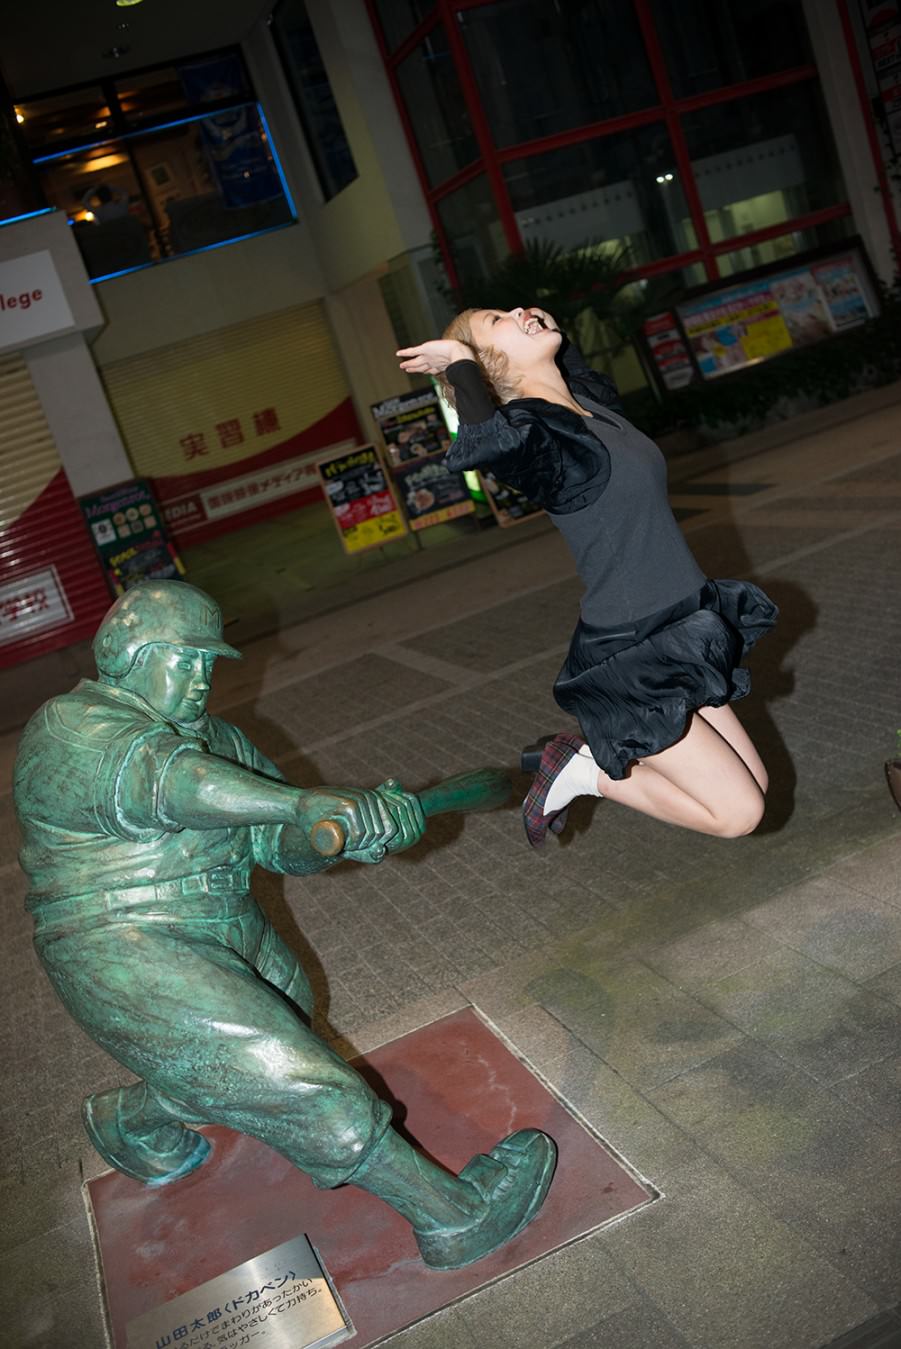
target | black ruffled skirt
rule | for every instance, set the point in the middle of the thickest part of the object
(632, 689)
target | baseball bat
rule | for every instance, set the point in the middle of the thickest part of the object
(482, 789)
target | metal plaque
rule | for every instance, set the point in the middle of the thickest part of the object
(281, 1299)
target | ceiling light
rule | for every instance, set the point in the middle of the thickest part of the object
(113, 53)
(20, 117)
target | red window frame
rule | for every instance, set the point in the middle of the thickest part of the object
(668, 110)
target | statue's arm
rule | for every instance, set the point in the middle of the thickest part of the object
(203, 791)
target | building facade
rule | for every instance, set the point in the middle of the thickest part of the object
(260, 224)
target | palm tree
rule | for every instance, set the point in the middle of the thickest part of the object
(587, 290)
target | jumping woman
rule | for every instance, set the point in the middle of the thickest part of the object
(654, 660)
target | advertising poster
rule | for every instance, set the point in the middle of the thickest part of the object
(883, 24)
(129, 535)
(416, 439)
(879, 13)
(361, 499)
(668, 351)
(803, 307)
(844, 291)
(508, 506)
(735, 328)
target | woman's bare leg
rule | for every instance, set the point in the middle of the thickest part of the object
(724, 720)
(700, 783)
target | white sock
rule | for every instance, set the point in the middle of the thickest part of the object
(578, 778)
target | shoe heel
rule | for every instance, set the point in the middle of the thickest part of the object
(530, 757)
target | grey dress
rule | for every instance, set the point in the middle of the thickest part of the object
(656, 639)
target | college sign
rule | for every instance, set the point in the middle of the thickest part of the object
(32, 301)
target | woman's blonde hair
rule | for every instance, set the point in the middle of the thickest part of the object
(494, 365)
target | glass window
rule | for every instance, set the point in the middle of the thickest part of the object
(544, 68)
(615, 191)
(18, 190)
(399, 17)
(785, 246)
(101, 195)
(712, 43)
(210, 180)
(313, 97)
(437, 111)
(474, 232)
(173, 89)
(759, 161)
(80, 115)
(169, 191)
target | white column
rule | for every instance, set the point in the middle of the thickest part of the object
(853, 146)
(78, 413)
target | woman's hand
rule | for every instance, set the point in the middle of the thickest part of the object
(431, 358)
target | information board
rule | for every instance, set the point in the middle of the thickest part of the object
(281, 1299)
(508, 506)
(734, 326)
(883, 24)
(129, 535)
(361, 499)
(416, 438)
(668, 351)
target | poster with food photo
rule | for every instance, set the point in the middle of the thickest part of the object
(416, 438)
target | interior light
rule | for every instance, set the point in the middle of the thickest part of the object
(127, 4)
(660, 178)
(89, 215)
(20, 117)
(667, 177)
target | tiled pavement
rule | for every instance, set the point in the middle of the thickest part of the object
(725, 1013)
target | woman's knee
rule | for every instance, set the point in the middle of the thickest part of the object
(738, 818)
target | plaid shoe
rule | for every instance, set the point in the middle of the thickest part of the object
(555, 755)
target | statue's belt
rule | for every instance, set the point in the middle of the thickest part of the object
(229, 886)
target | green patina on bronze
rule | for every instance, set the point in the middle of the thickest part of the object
(142, 819)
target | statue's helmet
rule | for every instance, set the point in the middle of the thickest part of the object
(171, 613)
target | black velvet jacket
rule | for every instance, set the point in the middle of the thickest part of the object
(540, 448)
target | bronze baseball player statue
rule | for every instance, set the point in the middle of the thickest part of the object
(143, 818)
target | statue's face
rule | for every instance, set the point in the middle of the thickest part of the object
(174, 680)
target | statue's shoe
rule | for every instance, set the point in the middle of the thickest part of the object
(511, 1182)
(166, 1154)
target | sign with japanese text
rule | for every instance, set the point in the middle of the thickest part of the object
(430, 493)
(361, 499)
(417, 438)
(266, 484)
(32, 603)
(231, 407)
(32, 300)
(281, 1299)
(508, 506)
(740, 325)
(668, 351)
(129, 535)
(883, 25)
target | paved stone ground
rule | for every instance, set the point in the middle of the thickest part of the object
(725, 1013)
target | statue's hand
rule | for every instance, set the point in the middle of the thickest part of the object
(408, 815)
(374, 822)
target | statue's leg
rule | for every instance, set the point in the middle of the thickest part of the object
(141, 1132)
(193, 1018)
(278, 965)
